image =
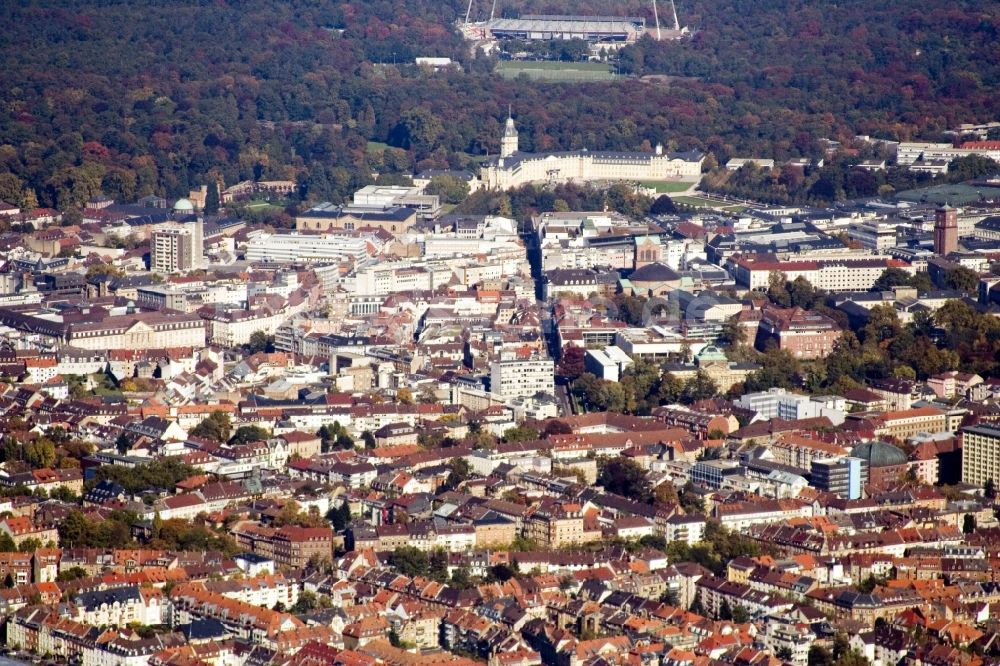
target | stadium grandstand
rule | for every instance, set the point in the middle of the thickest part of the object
(592, 29)
(589, 28)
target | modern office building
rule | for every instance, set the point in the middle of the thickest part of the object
(712, 473)
(782, 404)
(843, 477)
(296, 247)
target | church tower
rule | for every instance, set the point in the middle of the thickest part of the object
(508, 144)
(945, 230)
(648, 250)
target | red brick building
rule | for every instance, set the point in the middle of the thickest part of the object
(805, 334)
(289, 546)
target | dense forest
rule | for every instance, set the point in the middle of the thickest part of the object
(135, 97)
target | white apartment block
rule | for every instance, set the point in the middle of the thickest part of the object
(553, 228)
(450, 245)
(176, 248)
(981, 454)
(385, 278)
(776, 511)
(514, 377)
(119, 607)
(473, 236)
(388, 196)
(455, 539)
(265, 591)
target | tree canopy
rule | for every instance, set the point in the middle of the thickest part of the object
(97, 100)
(216, 426)
(160, 473)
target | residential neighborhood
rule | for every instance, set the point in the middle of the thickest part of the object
(499, 334)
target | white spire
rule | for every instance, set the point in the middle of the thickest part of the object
(509, 142)
(509, 128)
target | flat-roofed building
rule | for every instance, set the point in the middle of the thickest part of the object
(327, 217)
(298, 247)
(980, 454)
(428, 206)
(522, 375)
(608, 363)
(841, 476)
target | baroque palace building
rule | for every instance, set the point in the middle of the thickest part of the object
(514, 168)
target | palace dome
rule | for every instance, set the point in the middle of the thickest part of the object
(183, 206)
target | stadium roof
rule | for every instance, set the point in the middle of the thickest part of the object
(553, 26)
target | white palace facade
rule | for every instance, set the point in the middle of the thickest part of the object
(514, 168)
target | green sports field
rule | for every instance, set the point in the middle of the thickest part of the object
(956, 195)
(556, 71)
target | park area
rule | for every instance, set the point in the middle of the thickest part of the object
(667, 187)
(706, 202)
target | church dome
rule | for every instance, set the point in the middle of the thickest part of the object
(879, 454)
(654, 273)
(183, 206)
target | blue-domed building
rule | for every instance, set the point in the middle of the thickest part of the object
(882, 463)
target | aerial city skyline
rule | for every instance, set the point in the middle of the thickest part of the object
(516, 333)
